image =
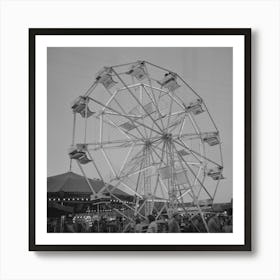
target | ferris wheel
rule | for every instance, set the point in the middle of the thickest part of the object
(144, 129)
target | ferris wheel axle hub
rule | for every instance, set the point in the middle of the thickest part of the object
(167, 136)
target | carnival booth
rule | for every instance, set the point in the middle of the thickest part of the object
(72, 207)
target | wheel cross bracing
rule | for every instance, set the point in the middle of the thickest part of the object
(142, 128)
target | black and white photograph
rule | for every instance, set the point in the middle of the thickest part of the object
(146, 154)
(139, 145)
(139, 140)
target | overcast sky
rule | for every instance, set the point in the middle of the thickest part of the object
(72, 70)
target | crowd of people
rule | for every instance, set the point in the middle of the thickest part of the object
(215, 222)
(175, 222)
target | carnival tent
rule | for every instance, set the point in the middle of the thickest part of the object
(70, 182)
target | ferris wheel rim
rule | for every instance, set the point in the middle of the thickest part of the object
(164, 134)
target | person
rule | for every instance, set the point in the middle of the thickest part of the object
(164, 228)
(138, 226)
(152, 228)
(188, 227)
(173, 224)
(69, 225)
(228, 225)
(214, 224)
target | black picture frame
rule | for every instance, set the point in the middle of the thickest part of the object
(246, 32)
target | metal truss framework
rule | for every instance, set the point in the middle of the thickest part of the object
(169, 144)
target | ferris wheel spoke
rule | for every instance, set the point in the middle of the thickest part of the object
(160, 164)
(176, 101)
(192, 163)
(131, 93)
(131, 189)
(126, 159)
(122, 130)
(195, 181)
(196, 128)
(116, 111)
(152, 98)
(139, 175)
(109, 162)
(161, 210)
(130, 134)
(162, 92)
(216, 188)
(195, 134)
(136, 172)
(199, 191)
(181, 195)
(113, 96)
(156, 186)
(196, 153)
(178, 113)
(197, 176)
(141, 101)
(193, 173)
(114, 125)
(151, 132)
(150, 85)
(176, 124)
(163, 187)
(86, 178)
(164, 153)
(147, 113)
(114, 143)
(133, 165)
(161, 158)
(157, 179)
(131, 171)
(131, 124)
(116, 147)
(169, 114)
(118, 181)
(95, 166)
(182, 125)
